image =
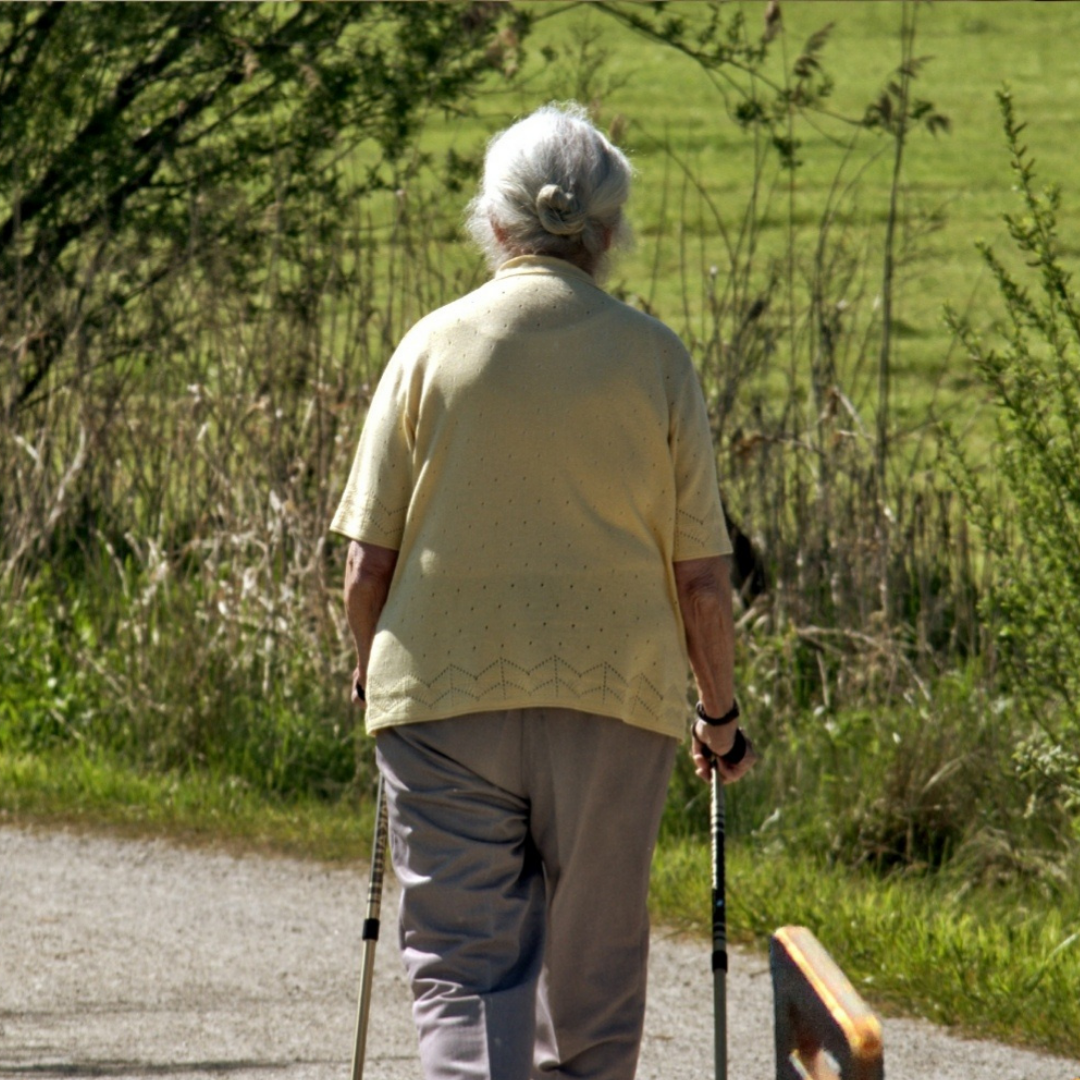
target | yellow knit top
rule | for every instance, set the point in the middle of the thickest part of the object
(539, 455)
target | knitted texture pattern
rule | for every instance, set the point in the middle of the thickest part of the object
(539, 454)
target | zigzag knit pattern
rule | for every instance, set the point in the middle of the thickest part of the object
(373, 515)
(692, 530)
(456, 689)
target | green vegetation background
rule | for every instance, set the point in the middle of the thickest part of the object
(890, 815)
(955, 186)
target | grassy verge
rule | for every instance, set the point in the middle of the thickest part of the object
(72, 788)
(998, 963)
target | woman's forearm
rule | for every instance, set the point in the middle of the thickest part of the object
(704, 591)
(369, 569)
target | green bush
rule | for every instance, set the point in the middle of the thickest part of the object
(1029, 511)
(48, 696)
(125, 663)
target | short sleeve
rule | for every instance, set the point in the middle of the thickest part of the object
(377, 496)
(700, 528)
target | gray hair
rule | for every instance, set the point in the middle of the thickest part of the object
(552, 185)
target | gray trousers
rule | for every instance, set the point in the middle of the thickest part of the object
(522, 841)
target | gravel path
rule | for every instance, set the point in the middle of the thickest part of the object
(142, 959)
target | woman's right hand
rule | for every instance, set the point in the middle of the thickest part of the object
(357, 694)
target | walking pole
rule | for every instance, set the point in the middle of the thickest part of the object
(719, 926)
(370, 933)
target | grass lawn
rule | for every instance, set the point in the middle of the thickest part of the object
(71, 788)
(955, 185)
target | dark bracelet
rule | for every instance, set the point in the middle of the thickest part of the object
(719, 721)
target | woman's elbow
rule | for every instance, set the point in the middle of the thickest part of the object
(368, 567)
(703, 580)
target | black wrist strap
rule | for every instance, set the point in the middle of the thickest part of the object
(719, 721)
(733, 756)
(737, 752)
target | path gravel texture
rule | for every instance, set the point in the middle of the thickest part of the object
(127, 958)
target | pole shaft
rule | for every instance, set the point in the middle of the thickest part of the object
(370, 934)
(719, 928)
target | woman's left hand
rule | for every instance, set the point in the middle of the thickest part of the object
(706, 753)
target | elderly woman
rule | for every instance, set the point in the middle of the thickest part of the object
(538, 548)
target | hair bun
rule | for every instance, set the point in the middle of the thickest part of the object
(559, 212)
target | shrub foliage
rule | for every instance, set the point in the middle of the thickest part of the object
(1029, 511)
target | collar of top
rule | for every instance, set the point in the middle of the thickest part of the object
(542, 264)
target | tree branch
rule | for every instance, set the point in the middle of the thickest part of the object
(65, 172)
(11, 84)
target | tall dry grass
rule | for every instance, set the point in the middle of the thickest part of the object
(172, 503)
